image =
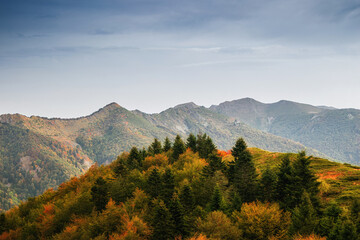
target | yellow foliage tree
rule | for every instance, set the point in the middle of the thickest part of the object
(218, 226)
(262, 221)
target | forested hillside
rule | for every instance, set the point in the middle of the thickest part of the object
(30, 163)
(38, 153)
(191, 190)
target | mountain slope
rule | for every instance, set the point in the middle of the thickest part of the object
(261, 115)
(190, 118)
(31, 163)
(335, 132)
(62, 148)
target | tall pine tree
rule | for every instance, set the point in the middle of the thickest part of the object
(217, 202)
(100, 194)
(120, 167)
(187, 199)
(177, 213)
(154, 184)
(167, 144)
(244, 175)
(178, 148)
(163, 225)
(134, 159)
(155, 147)
(204, 145)
(304, 218)
(168, 187)
(285, 187)
(191, 142)
(3, 224)
(268, 185)
(306, 179)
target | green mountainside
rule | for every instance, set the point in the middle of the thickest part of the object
(335, 132)
(38, 153)
(243, 194)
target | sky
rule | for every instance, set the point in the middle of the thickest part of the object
(65, 58)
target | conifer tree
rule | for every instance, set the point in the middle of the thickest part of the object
(100, 194)
(204, 145)
(355, 214)
(216, 202)
(236, 202)
(329, 220)
(154, 184)
(177, 214)
(163, 225)
(244, 175)
(268, 185)
(335, 232)
(155, 147)
(343, 230)
(134, 159)
(304, 218)
(333, 211)
(306, 179)
(178, 148)
(167, 145)
(120, 168)
(215, 164)
(143, 154)
(168, 187)
(348, 231)
(191, 142)
(285, 187)
(2, 223)
(187, 199)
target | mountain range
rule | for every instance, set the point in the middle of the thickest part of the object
(335, 132)
(37, 153)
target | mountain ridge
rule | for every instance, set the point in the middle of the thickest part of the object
(112, 129)
(335, 132)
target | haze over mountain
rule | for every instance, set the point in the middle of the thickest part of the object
(38, 153)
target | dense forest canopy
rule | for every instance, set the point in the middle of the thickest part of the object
(188, 189)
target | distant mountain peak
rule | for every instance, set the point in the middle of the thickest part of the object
(242, 102)
(107, 108)
(112, 105)
(327, 107)
(189, 105)
(286, 102)
(247, 99)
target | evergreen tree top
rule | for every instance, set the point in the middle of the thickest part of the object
(239, 148)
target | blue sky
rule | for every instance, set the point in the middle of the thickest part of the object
(62, 58)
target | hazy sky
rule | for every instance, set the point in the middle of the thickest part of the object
(66, 58)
